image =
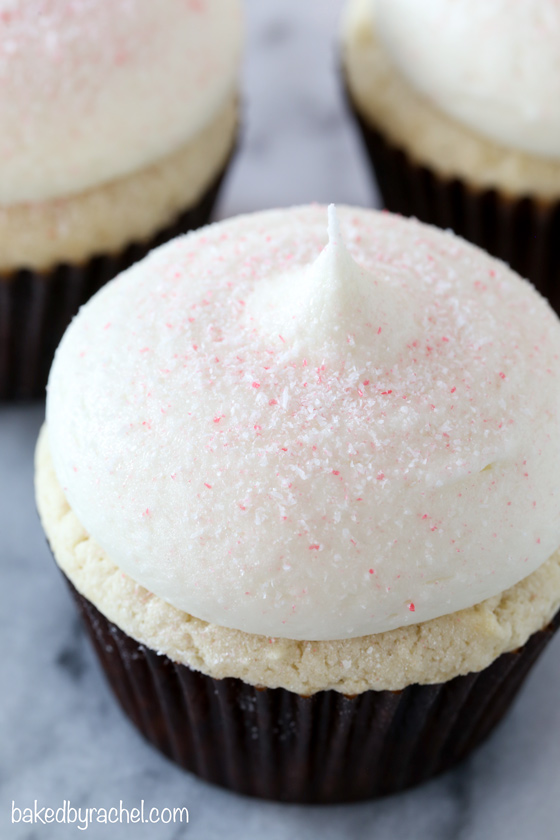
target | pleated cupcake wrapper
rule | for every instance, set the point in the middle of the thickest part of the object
(325, 748)
(524, 232)
(37, 306)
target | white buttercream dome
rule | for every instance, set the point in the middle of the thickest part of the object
(95, 89)
(385, 453)
(494, 65)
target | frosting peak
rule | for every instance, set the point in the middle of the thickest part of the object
(333, 307)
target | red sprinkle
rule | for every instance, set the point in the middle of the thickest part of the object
(411, 607)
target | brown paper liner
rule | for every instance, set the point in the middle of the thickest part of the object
(325, 748)
(37, 306)
(524, 231)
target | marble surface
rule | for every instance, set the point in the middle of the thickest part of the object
(62, 735)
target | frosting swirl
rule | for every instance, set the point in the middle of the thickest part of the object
(314, 442)
(492, 64)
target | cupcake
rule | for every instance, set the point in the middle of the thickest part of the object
(304, 490)
(457, 106)
(117, 121)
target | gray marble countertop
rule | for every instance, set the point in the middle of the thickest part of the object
(62, 735)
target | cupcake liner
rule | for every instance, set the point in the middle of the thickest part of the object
(325, 748)
(524, 231)
(37, 306)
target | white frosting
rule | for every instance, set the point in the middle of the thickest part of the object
(494, 65)
(314, 483)
(95, 89)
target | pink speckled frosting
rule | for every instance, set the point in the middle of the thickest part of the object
(314, 441)
(92, 90)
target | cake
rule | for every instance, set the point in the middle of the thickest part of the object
(455, 103)
(304, 489)
(117, 121)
